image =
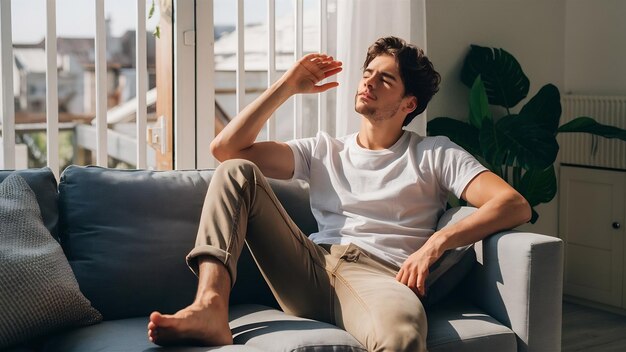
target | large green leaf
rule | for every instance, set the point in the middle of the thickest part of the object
(516, 141)
(545, 108)
(588, 125)
(479, 104)
(538, 186)
(461, 133)
(534, 217)
(505, 82)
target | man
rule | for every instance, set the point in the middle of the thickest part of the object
(376, 195)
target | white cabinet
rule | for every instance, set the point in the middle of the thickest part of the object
(592, 211)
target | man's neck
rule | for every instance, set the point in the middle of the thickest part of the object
(378, 136)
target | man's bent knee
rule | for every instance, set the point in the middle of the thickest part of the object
(234, 167)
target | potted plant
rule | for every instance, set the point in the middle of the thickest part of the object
(519, 147)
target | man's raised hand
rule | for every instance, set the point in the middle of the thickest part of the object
(306, 74)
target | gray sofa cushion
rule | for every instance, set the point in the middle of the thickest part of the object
(255, 328)
(124, 335)
(126, 234)
(272, 330)
(455, 325)
(38, 291)
(43, 183)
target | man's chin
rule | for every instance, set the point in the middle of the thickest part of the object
(363, 110)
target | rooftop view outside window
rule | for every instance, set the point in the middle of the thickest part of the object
(76, 78)
(76, 73)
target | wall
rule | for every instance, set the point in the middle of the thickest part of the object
(595, 47)
(532, 30)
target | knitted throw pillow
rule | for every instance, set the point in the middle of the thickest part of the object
(38, 291)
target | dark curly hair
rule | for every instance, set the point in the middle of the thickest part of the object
(417, 72)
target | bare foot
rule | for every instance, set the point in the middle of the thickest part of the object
(198, 324)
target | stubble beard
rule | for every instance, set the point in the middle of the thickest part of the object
(376, 115)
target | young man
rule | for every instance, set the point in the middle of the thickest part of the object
(376, 195)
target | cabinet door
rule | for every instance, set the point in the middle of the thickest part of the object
(591, 201)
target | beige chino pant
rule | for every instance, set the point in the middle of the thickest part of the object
(338, 284)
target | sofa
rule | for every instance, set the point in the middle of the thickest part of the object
(125, 234)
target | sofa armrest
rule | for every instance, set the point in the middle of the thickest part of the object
(519, 281)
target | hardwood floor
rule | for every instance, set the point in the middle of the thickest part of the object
(589, 329)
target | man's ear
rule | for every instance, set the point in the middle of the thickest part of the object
(411, 104)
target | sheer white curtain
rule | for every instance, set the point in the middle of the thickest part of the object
(359, 24)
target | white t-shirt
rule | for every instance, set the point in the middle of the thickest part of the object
(386, 201)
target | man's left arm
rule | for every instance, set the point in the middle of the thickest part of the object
(499, 206)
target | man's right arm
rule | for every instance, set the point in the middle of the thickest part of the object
(275, 159)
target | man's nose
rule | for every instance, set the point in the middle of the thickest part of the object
(369, 82)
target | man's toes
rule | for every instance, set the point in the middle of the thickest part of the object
(155, 317)
(161, 320)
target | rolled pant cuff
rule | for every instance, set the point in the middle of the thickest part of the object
(219, 254)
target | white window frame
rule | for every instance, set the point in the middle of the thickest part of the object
(194, 125)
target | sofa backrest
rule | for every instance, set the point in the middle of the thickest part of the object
(126, 234)
(43, 183)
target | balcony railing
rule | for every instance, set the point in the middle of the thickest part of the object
(194, 91)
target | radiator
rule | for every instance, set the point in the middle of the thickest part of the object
(584, 149)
